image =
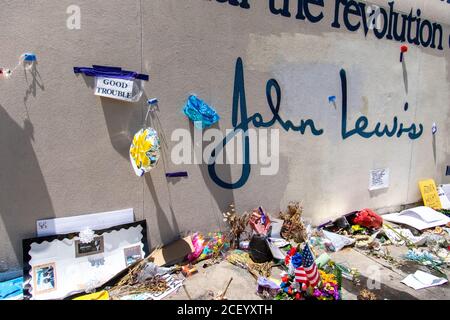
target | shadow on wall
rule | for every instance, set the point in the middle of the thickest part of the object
(36, 81)
(222, 197)
(447, 152)
(24, 197)
(167, 232)
(123, 121)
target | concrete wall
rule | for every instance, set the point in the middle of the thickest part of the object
(64, 151)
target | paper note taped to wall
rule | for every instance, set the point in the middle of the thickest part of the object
(120, 89)
(430, 195)
(379, 179)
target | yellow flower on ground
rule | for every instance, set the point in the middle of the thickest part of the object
(327, 278)
(140, 148)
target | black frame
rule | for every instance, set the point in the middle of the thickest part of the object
(26, 245)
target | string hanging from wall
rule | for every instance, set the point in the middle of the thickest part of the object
(27, 60)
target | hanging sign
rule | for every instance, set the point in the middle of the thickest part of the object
(120, 89)
(114, 82)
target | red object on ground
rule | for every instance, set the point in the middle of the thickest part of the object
(369, 219)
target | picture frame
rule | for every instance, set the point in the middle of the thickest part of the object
(59, 266)
(97, 246)
(132, 255)
(44, 278)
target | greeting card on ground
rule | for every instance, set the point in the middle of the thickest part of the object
(58, 266)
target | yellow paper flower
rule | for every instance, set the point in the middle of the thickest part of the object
(140, 148)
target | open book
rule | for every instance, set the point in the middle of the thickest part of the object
(421, 280)
(419, 218)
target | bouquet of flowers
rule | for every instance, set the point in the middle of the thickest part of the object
(328, 288)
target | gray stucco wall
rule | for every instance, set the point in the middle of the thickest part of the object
(64, 151)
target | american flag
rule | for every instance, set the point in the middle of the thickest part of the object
(300, 275)
(310, 267)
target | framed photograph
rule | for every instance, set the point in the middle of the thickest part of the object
(88, 249)
(44, 278)
(56, 267)
(132, 255)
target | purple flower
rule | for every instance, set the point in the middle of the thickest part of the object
(317, 293)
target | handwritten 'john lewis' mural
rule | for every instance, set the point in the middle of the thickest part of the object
(385, 23)
(361, 128)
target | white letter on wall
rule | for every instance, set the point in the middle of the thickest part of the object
(74, 20)
(182, 151)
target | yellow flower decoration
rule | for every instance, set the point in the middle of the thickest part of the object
(140, 148)
(356, 228)
(327, 278)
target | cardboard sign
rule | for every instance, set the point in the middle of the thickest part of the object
(114, 88)
(173, 253)
(430, 195)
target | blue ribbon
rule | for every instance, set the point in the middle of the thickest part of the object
(110, 72)
(177, 174)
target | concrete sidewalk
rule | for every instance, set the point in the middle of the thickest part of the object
(243, 286)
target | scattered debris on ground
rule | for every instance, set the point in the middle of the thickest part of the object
(361, 255)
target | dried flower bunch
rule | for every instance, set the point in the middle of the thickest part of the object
(238, 224)
(293, 227)
(367, 295)
(242, 259)
(130, 284)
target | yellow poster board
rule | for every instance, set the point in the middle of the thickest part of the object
(102, 295)
(429, 194)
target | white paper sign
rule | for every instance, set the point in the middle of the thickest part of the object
(114, 88)
(379, 179)
(97, 221)
(443, 196)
